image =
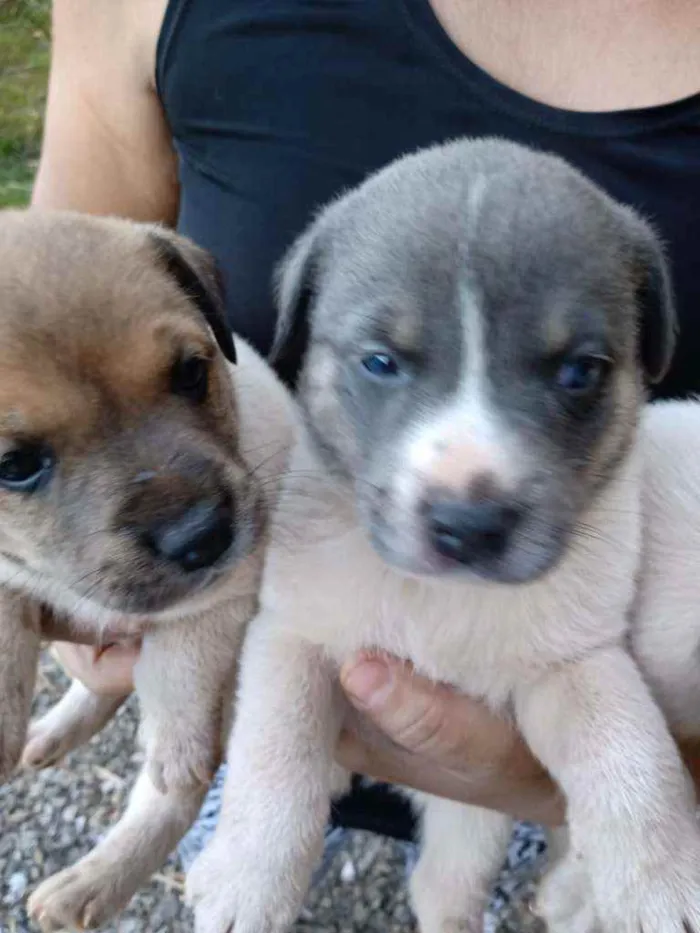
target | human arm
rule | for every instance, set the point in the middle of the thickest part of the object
(106, 146)
(106, 670)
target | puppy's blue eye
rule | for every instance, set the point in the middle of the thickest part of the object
(381, 366)
(581, 375)
(26, 467)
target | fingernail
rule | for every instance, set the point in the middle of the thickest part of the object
(368, 682)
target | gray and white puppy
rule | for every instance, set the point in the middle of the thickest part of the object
(482, 319)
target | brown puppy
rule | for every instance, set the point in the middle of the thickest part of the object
(136, 469)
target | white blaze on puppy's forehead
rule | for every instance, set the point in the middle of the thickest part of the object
(475, 203)
(466, 439)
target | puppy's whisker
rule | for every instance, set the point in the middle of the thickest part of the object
(247, 452)
(78, 581)
(97, 532)
(253, 470)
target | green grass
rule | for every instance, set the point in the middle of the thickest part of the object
(24, 62)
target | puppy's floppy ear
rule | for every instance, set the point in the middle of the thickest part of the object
(195, 271)
(295, 283)
(658, 322)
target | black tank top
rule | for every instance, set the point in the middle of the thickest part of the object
(276, 106)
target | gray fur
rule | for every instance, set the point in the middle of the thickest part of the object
(537, 250)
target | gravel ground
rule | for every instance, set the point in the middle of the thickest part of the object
(49, 820)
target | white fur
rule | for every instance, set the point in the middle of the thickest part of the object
(552, 653)
(484, 448)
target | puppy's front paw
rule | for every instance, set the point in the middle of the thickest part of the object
(443, 906)
(47, 744)
(662, 896)
(671, 906)
(564, 901)
(180, 763)
(74, 720)
(79, 898)
(234, 891)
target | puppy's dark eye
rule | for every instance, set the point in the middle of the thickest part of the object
(381, 366)
(26, 468)
(581, 375)
(190, 377)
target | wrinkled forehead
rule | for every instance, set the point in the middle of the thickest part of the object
(543, 266)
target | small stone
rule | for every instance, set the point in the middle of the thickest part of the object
(129, 926)
(16, 887)
(348, 874)
(70, 813)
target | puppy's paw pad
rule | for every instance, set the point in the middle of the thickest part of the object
(71, 900)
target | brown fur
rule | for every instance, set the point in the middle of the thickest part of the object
(94, 323)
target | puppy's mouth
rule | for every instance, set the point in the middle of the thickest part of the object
(153, 597)
(519, 555)
(158, 587)
(178, 572)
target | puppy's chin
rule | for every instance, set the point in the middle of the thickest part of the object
(148, 596)
(136, 596)
(138, 586)
(526, 559)
(143, 599)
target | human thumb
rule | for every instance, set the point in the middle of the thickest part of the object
(412, 711)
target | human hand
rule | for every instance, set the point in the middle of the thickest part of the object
(429, 737)
(106, 670)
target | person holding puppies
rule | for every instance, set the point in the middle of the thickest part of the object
(235, 122)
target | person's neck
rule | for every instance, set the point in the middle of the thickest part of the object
(597, 55)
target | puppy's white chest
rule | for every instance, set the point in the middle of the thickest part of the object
(482, 637)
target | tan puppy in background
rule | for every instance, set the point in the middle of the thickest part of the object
(137, 467)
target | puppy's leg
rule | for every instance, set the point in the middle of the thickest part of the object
(253, 876)
(99, 885)
(462, 852)
(20, 642)
(183, 677)
(595, 726)
(565, 896)
(74, 720)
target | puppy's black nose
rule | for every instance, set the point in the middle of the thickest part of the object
(467, 533)
(194, 540)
